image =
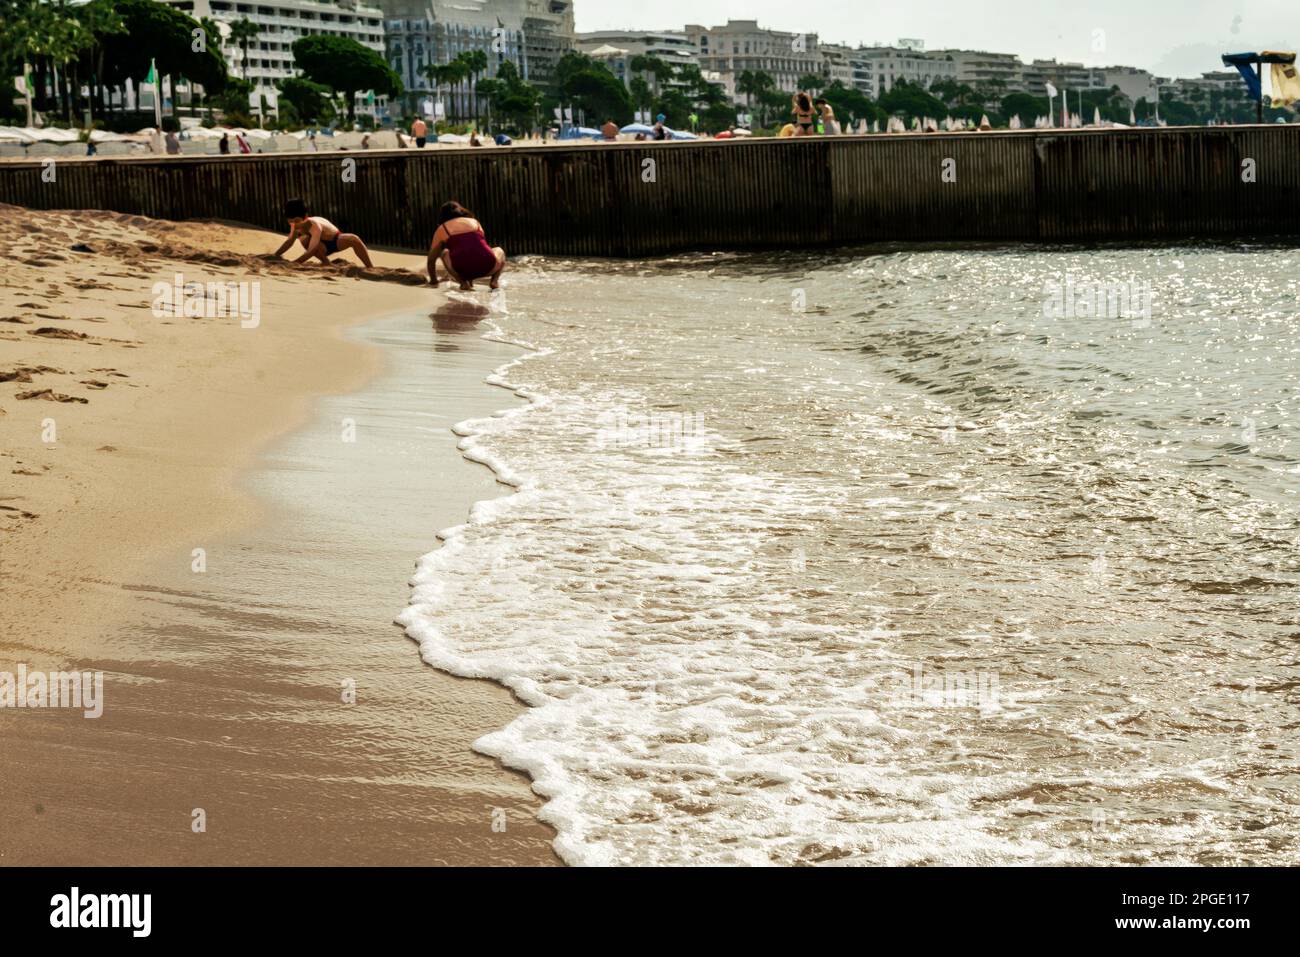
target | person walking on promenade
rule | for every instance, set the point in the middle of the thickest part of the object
(224, 146)
(419, 130)
(460, 244)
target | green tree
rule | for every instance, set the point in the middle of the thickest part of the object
(1025, 106)
(909, 101)
(312, 103)
(345, 66)
(592, 88)
(154, 30)
(513, 100)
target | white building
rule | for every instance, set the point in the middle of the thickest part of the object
(532, 34)
(618, 48)
(1134, 83)
(978, 68)
(879, 68)
(280, 22)
(741, 45)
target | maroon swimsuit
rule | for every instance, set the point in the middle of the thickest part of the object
(471, 256)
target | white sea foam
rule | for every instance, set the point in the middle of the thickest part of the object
(711, 633)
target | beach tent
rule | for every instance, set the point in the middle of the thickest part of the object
(635, 128)
(681, 135)
(576, 133)
(741, 132)
(452, 138)
(30, 134)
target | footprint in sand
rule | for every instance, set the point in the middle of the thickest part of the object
(51, 396)
(49, 332)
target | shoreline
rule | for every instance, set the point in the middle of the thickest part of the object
(98, 554)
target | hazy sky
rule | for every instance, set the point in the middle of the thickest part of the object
(1169, 37)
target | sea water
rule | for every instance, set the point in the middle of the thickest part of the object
(894, 556)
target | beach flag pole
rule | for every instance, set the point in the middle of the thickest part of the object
(27, 90)
(157, 93)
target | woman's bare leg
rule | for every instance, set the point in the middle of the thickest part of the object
(501, 264)
(353, 242)
(451, 271)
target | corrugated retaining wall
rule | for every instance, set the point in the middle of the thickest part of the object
(606, 200)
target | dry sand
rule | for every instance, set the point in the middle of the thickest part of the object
(123, 439)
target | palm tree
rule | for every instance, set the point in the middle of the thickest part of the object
(640, 90)
(476, 63)
(242, 32)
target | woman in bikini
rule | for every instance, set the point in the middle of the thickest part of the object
(461, 246)
(803, 114)
(321, 238)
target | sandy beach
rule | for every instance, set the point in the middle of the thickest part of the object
(176, 514)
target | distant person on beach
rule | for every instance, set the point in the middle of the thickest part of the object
(91, 148)
(365, 142)
(474, 140)
(660, 131)
(319, 236)
(829, 124)
(803, 114)
(609, 131)
(224, 146)
(459, 243)
(419, 130)
(243, 144)
(311, 143)
(173, 145)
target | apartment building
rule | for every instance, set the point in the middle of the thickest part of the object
(280, 22)
(879, 68)
(618, 48)
(740, 45)
(977, 68)
(532, 34)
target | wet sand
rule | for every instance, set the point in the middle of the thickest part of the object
(225, 687)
